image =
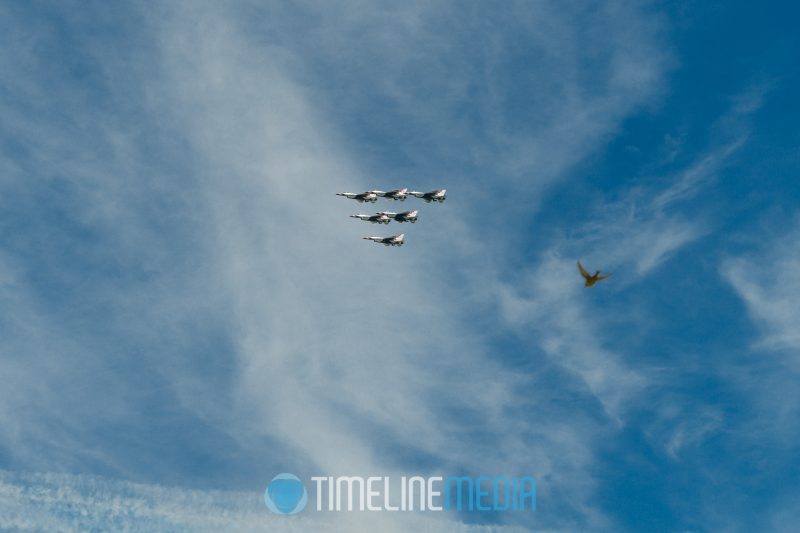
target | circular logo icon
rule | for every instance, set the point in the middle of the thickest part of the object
(286, 494)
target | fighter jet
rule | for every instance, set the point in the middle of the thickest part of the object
(377, 218)
(591, 279)
(368, 196)
(394, 240)
(397, 194)
(405, 216)
(434, 196)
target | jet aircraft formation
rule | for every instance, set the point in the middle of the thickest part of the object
(385, 217)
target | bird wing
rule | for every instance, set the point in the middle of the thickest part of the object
(583, 271)
(601, 278)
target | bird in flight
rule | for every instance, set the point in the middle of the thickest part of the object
(591, 279)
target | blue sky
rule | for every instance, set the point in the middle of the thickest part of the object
(186, 309)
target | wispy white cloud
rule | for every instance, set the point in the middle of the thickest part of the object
(766, 373)
(767, 283)
(650, 222)
(70, 503)
(700, 174)
(647, 226)
(679, 427)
